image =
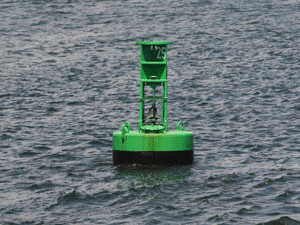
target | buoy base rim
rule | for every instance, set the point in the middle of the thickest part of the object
(153, 157)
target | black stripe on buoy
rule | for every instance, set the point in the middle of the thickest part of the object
(155, 158)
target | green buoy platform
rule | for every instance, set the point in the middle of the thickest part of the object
(152, 143)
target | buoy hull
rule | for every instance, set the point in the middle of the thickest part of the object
(166, 148)
(153, 158)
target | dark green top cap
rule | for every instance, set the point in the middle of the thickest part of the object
(153, 42)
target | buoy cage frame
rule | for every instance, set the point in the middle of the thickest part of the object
(153, 143)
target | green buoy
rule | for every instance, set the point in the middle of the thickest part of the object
(153, 143)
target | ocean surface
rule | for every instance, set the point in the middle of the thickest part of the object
(69, 78)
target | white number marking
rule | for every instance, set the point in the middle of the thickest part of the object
(158, 54)
(161, 51)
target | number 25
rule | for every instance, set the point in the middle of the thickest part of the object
(161, 51)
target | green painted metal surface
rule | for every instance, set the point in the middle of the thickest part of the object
(153, 135)
(140, 141)
(154, 58)
(152, 128)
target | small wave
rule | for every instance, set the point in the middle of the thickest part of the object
(285, 220)
(42, 186)
(65, 198)
(285, 195)
(35, 94)
(265, 183)
(27, 153)
(5, 95)
(52, 109)
(5, 137)
(50, 61)
(42, 147)
(95, 142)
(70, 196)
(100, 142)
(19, 222)
(75, 103)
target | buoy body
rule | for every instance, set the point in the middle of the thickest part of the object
(152, 143)
(171, 147)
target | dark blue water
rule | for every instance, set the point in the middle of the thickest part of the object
(69, 78)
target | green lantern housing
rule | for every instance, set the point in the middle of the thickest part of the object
(153, 143)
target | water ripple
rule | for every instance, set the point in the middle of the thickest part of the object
(69, 79)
